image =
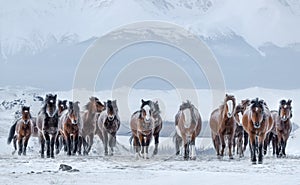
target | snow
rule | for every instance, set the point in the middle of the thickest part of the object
(258, 22)
(165, 168)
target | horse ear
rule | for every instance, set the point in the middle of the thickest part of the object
(282, 102)
(55, 96)
(65, 101)
(252, 102)
(143, 101)
(289, 102)
(226, 95)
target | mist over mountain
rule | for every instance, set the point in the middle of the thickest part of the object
(256, 43)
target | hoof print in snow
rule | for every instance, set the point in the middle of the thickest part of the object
(65, 167)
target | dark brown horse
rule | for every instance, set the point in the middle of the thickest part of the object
(188, 126)
(257, 122)
(21, 132)
(157, 125)
(89, 123)
(109, 123)
(142, 124)
(71, 123)
(222, 123)
(240, 136)
(47, 123)
(283, 126)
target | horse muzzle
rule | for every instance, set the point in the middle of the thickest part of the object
(229, 115)
(284, 118)
(256, 125)
(110, 117)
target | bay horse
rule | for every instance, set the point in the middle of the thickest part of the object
(109, 123)
(47, 123)
(222, 123)
(240, 135)
(21, 132)
(89, 123)
(188, 125)
(257, 122)
(71, 124)
(283, 126)
(142, 124)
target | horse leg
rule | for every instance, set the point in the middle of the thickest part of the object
(252, 147)
(57, 143)
(26, 139)
(186, 147)
(246, 139)
(234, 144)
(240, 150)
(105, 140)
(156, 141)
(20, 144)
(284, 146)
(274, 144)
(193, 148)
(75, 145)
(91, 136)
(279, 145)
(15, 144)
(230, 140)
(52, 142)
(261, 140)
(42, 141)
(112, 142)
(178, 143)
(136, 146)
(222, 138)
(147, 143)
(68, 141)
(79, 144)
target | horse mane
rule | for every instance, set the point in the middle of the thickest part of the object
(186, 105)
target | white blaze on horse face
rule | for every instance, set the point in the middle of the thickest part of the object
(187, 118)
(147, 110)
(230, 108)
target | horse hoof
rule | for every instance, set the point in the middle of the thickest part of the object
(24, 153)
(137, 155)
(42, 156)
(19, 153)
(13, 152)
(177, 153)
(193, 158)
(155, 152)
(260, 162)
(52, 156)
(57, 152)
(231, 157)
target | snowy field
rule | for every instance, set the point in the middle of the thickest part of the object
(165, 168)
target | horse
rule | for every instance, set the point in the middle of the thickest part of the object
(157, 126)
(47, 123)
(71, 127)
(222, 123)
(62, 109)
(188, 125)
(109, 123)
(89, 123)
(240, 137)
(257, 122)
(283, 126)
(142, 124)
(21, 132)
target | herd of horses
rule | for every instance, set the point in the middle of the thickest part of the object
(62, 125)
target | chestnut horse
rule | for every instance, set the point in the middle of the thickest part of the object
(257, 122)
(47, 124)
(283, 126)
(142, 124)
(21, 132)
(109, 123)
(188, 125)
(71, 124)
(89, 123)
(222, 123)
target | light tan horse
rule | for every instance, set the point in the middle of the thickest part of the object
(89, 123)
(257, 122)
(188, 126)
(222, 123)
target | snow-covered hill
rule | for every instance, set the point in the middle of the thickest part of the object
(31, 26)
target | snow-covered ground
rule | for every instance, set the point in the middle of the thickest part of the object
(165, 168)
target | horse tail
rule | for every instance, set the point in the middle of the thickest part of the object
(130, 139)
(11, 133)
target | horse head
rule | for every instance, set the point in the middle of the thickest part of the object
(62, 105)
(95, 105)
(229, 105)
(257, 112)
(74, 112)
(50, 105)
(285, 110)
(146, 111)
(26, 114)
(112, 109)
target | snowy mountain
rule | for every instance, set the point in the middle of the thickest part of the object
(32, 26)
